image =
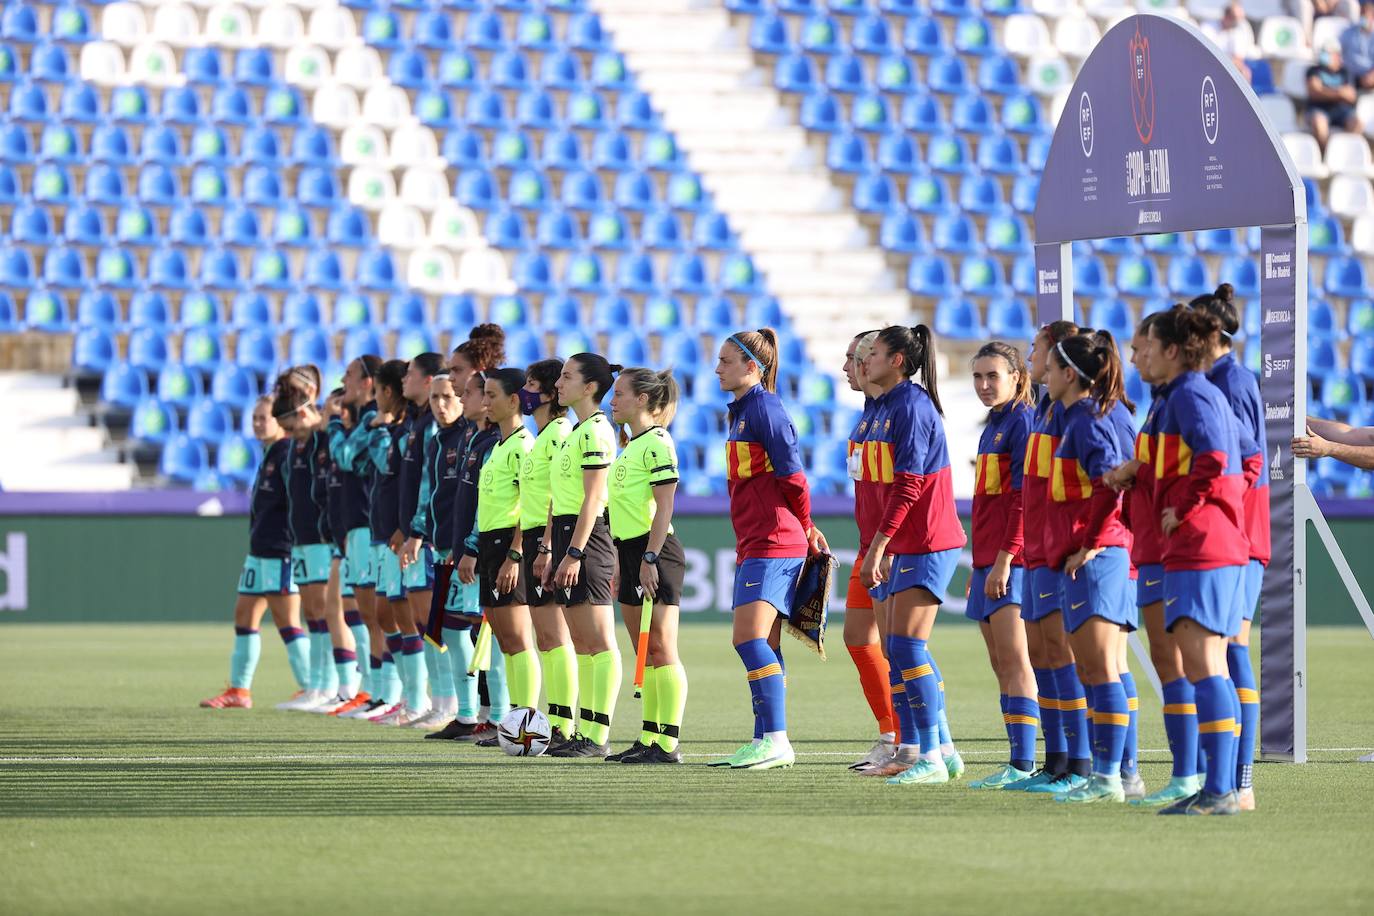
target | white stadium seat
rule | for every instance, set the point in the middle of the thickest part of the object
(153, 63)
(177, 24)
(431, 270)
(1327, 29)
(1025, 35)
(1107, 9)
(363, 144)
(414, 144)
(1207, 9)
(359, 67)
(1364, 110)
(307, 66)
(280, 26)
(1362, 235)
(1076, 36)
(453, 226)
(371, 188)
(1047, 74)
(102, 63)
(123, 23)
(1282, 36)
(1350, 197)
(386, 105)
(484, 270)
(335, 106)
(332, 27)
(1053, 9)
(423, 187)
(1282, 115)
(229, 25)
(1307, 156)
(1294, 80)
(401, 226)
(1348, 154)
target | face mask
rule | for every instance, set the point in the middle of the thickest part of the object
(530, 401)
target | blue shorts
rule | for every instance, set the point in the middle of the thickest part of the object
(357, 565)
(310, 564)
(266, 576)
(771, 579)
(1254, 584)
(1149, 585)
(419, 576)
(1100, 589)
(386, 568)
(980, 606)
(1042, 593)
(462, 599)
(1208, 597)
(930, 571)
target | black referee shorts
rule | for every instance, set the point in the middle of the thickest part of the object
(493, 548)
(535, 593)
(593, 585)
(672, 569)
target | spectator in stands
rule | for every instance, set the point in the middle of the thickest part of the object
(1232, 33)
(1353, 445)
(1331, 94)
(1308, 11)
(1357, 47)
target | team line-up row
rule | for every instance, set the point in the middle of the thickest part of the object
(415, 468)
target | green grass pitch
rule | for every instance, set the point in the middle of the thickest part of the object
(118, 795)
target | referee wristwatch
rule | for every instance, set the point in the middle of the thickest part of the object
(576, 553)
(542, 547)
(515, 555)
(651, 557)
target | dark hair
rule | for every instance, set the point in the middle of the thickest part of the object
(917, 346)
(761, 348)
(999, 350)
(594, 368)
(485, 347)
(1143, 328)
(337, 392)
(1221, 305)
(510, 379)
(1191, 330)
(390, 375)
(430, 364)
(1089, 357)
(661, 388)
(1058, 330)
(288, 400)
(544, 373)
(1111, 385)
(371, 364)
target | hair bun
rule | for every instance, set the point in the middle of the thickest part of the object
(615, 367)
(1226, 292)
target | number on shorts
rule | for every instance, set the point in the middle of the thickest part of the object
(455, 592)
(298, 569)
(250, 578)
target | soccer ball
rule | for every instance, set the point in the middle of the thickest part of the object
(524, 732)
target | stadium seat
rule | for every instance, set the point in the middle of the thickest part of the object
(1345, 277)
(982, 276)
(256, 349)
(930, 275)
(153, 421)
(93, 349)
(148, 349)
(1342, 392)
(46, 310)
(1241, 272)
(955, 233)
(98, 308)
(1188, 277)
(902, 233)
(958, 319)
(1010, 319)
(1360, 326)
(1139, 277)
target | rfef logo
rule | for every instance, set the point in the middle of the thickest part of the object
(1142, 86)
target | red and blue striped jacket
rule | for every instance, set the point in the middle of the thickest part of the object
(1083, 512)
(1147, 542)
(905, 454)
(1198, 474)
(997, 496)
(1035, 479)
(770, 504)
(1242, 392)
(868, 494)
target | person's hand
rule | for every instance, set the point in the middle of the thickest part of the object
(648, 578)
(506, 576)
(376, 422)
(995, 585)
(872, 573)
(396, 541)
(1169, 521)
(410, 552)
(1076, 562)
(541, 570)
(467, 569)
(568, 571)
(1310, 446)
(1121, 477)
(815, 542)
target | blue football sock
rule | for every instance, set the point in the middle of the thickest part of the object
(1243, 675)
(901, 708)
(460, 653)
(1073, 714)
(764, 673)
(1111, 718)
(1233, 761)
(1130, 750)
(437, 672)
(346, 663)
(498, 694)
(942, 717)
(912, 657)
(1022, 721)
(297, 654)
(1056, 749)
(243, 661)
(1216, 731)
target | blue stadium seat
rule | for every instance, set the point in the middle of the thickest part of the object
(219, 269)
(570, 341)
(301, 310)
(534, 30)
(508, 69)
(584, 33)
(1024, 192)
(560, 311)
(685, 192)
(1224, 242)
(1167, 243)
(1360, 322)
(148, 349)
(635, 111)
(609, 71)
(923, 114)
(1188, 277)
(70, 23)
(97, 308)
(202, 66)
(581, 190)
(456, 311)
(405, 309)
(1322, 359)
(375, 271)
(715, 315)
(1321, 321)
(178, 386)
(529, 190)
(361, 341)
(981, 194)
(256, 349)
(209, 421)
(587, 110)
(1139, 277)
(31, 225)
(999, 154)
(187, 226)
(115, 268)
(955, 233)
(16, 267)
(317, 187)
(1242, 272)
(687, 274)
(869, 112)
(201, 309)
(231, 105)
(793, 73)
(1007, 234)
(49, 63)
(1325, 236)
(64, 268)
(821, 35)
(628, 349)
(973, 35)
(352, 310)
(949, 153)
(532, 272)
(291, 227)
(1010, 319)
(982, 275)
(28, 103)
(1090, 276)
(929, 194)
(948, 75)
(876, 193)
(845, 73)
(93, 349)
(536, 108)
(153, 422)
(270, 270)
(52, 183)
(902, 233)
(237, 458)
(1345, 277)
(239, 226)
(512, 148)
(464, 149)
(999, 74)
(309, 345)
(167, 269)
(1362, 360)
(202, 349)
(1112, 315)
(930, 275)
(249, 310)
(505, 229)
(584, 272)
(847, 153)
(313, 146)
(457, 69)
(348, 227)
(737, 274)
(509, 311)
(974, 114)
(210, 145)
(898, 153)
(768, 34)
(1342, 392)
(45, 310)
(1022, 114)
(1023, 279)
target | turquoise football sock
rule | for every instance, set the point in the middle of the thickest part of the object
(416, 677)
(375, 684)
(349, 677)
(460, 653)
(297, 654)
(391, 679)
(498, 693)
(437, 672)
(363, 646)
(243, 661)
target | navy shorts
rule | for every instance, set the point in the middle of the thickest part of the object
(930, 571)
(1100, 589)
(1254, 583)
(1149, 585)
(980, 607)
(771, 579)
(1042, 593)
(1208, 597)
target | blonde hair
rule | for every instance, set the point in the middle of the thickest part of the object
(864, 345)
(659, 386)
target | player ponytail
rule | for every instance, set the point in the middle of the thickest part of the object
(660, 388)
(761, 348)
(1012, 357)
(917, 347)
(1193, 331)
(1110, 385)
(1221, 305)
(1087, 357)
(595, 370)
(544, 373)
(485, 347)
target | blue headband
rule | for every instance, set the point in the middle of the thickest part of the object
(734, 339)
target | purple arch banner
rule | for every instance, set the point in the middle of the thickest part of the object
(1160, 134)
